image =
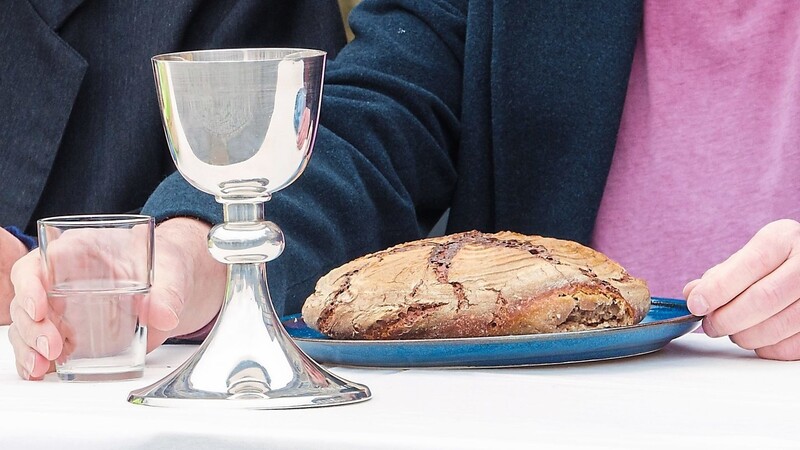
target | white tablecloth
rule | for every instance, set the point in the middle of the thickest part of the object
(697, 392)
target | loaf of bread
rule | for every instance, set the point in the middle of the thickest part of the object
(475, 284)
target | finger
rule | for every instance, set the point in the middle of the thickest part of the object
(766, 251)
(785, 350)
(170, 286)
(767, 297)
(690, 287)
(163, 307)
(30, 295)
(68, 339)
(771, 331)
(91, 256)
(29, 363)
(43, 336)
(161, 316)
(185, 272)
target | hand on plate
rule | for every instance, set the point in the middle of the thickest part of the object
(754, 296)
(187, 293)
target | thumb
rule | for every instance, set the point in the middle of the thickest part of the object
(171, 274)
(165, 305)
(189, 284)
(165, 302)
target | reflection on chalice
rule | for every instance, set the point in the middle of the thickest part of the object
(240, 126)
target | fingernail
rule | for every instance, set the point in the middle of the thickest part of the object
(709, 329)
(697, 305)
(30, 364)
(43, 346)
(30, 308)
(686, 287)
(174, 313)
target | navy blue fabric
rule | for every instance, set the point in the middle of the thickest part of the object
(80, 129)
(30, 242)
(504, 111)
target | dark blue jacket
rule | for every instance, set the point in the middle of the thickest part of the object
(504, 111)
(80, 130)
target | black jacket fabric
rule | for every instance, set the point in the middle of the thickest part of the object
(80, 130)
(504, 111)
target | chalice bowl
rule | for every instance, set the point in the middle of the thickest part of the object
(241, 124)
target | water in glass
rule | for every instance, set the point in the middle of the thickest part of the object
(103, 336)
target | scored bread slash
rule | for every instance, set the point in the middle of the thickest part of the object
(475, 284)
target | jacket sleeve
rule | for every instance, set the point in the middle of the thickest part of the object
(383, 169)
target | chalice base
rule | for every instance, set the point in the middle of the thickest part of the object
(248, 361)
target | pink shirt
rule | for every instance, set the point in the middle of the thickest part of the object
(708, 150)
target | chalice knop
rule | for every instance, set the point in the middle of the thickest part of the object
(241, 124)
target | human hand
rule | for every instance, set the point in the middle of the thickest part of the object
(754, 296)
(189, 284)
(77, 260)
(11, 249)
(186, 294)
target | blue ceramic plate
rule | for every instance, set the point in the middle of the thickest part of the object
(667, 320)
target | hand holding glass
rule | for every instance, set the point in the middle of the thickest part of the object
(97, 273)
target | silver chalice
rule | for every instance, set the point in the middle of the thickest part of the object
(240, 125)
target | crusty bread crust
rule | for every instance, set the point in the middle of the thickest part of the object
(475, 284)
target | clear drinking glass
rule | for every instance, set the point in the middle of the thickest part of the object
(98, 272)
